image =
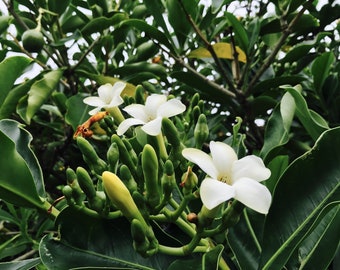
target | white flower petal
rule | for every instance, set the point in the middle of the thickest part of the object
(118, 88)
(250, 167)
(223, 157)
(94, 111)
(214, 192)
(153, 127)
(253, 194)
(137, 111)
(202, 160)
(116, 101)
(152, 104)
(94, 101)
(171, 108)
(105, 93)
(124, 126)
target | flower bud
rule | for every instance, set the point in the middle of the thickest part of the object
(168, 180)
(196, 112)
(72, 181)
(201, 132)
(121, 197)
(112, 157)
(150, 171)
(67, 191)
(85, 183)
(189, 181)
(171, 132)
(140, 94)
(124, 154)
(127, 178)
(96, 164)
(138, 233)
(206, 216)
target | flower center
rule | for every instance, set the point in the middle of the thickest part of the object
(226, 179)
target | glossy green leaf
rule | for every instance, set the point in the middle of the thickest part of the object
(58, 6)
(101, 23)
(12, 99)
(318, 249)
(321, 68)
(21, 265)
(77, 111)
(312, 122)
(4, 23)
(210, 260)
(312, 182)
(21, 180)
(38, 94)
(241, 36)
(10, 69)
(99, 242)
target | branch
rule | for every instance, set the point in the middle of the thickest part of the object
(277, 48)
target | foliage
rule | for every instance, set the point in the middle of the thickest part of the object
(266, 83)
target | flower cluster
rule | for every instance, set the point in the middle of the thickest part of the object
(227, 176)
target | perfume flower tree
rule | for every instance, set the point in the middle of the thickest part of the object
(169, 134)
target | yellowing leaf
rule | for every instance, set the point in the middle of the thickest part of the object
(222, 50)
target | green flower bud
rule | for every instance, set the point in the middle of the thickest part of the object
(131, 151)
(171, 132)
(127, 178)
(86, 183)
(140, 94)
(70, 176)
(96, 164)
(124, 154)
(168, 179)
(141, 204)
(67, 191)
(196, 112)
(201, 132)
(120, 196)
(140, 241)
(189, 181)
(113, 157)
(97, 203)
(72, 181)
(150, 171)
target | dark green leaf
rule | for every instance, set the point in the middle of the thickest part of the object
(10, 69)
(21, 177)
(312, 182)
(20, 265)
(77, 111)
(211, 259)
(101, 23)
(241, 36)
(58, 6)
(320, 69)
(38, 94)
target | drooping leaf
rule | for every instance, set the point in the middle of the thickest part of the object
(21, 180)
(38, 94)
(10, 69)
(312, 122)
(222, 50)
(312, 182)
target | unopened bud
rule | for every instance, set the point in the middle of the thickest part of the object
(201, 132)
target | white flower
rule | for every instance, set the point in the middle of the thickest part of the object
(151, 114)
(108, 97)
(228, 177)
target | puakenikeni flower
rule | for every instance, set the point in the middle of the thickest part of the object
(228, 177)
(151, 114)
(108, 97)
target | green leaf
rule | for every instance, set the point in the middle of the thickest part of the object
(312, 122)
(312, 182)
(77, 111)
(10, 69)
(150, 31)
(98, 242)
(101, 23)
(38, 94)
(240, 33)
(12, 99)
(4, 22)
(58, 6)
(320, 69)
(21, 180)
(21, 265)
(318, 249)
(211, 259)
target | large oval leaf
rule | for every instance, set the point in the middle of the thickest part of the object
(21, 180)
(308, 185)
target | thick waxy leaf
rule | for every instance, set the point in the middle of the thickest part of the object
(101, 23)
(38, 94)
(222, 50)
(240, 33)
(77, 111)
(98, 243)
(10, 69)
(312, 182)
(21, 181)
